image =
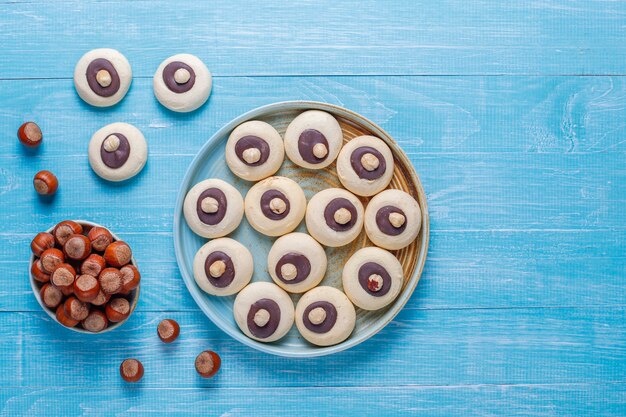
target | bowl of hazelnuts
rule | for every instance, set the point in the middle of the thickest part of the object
(83, 276)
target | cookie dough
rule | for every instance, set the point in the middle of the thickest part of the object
(365, 165)
(334, 217)
(118, 152)
(275, 206)
(102, 77)
(313, 139)
(296, 262)
(372, 278)
(325, 316)
(263, 312)
(254, 150)
(213, 208)
(393, 219)
(182, 83)
(222, 267)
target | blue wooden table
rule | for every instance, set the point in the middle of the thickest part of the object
(514, 114)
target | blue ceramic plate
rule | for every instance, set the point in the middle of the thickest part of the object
(210, 163)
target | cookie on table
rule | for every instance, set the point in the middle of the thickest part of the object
(296, 262)
(334, 217)
(254, 150)
(313, 139)
(222, 267)
(275, 206)
(325, 316)
(372, 278)
(393, 219)
(102, 77)
(182, 83)
(264, 312)
(117, 152)
(213, 208)
(365, 165)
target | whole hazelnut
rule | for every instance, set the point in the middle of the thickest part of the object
(100, 238)
(208, 363)
(51, 259)
(86, 288)
(63, 278)
(93, 265)
(41, 242)
(130, 278)
(118, 309)
(118, 254)
(50, 295)
(168, 330)
(101, 299)
(95, 322)
(63, 318)
(77, 247)
(131, 370)
(65, 229)
(76, 309)
(38, 273)
(30, 134)
(45, 183)
(110, 280)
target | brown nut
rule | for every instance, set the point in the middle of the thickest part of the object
(118, 309)
(64, 230)
(95, 322)
(131, 370)
(63, 318)
(30, 134)
(76, 309)
(41, 242)
(118, 254)
(100, 238)
(208, 363)
(130, 278)
(38, 272)
(45, 183)
(51, 259)
(63, 278)
(93, 265)
(86, 288)
(110, 280)
(77, 247)
(168, 330)
(50, 295)
(101, 299)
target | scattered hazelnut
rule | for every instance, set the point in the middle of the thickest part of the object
(50, 295)
(131, 370)
(77, 247)
(182, 76)
(41, 242)
(370, 162)
(63, 318)
(93, 265)
(251, 155)
(118, 254)
(320, 150)
(30, 134)
(101, 299)
(118, 309)
(64, 230)
(63, 278)
(317, 315)
(95, 322)
(396, 219)
(110, 280)
(86, 288)
(45, 183)
(168, 330)
(342, 216)
(277, 205)
(217, 268)
(208, 363)
(130, 278)
(103, 78)
(100, 238)
(261, 317)
(38, 272)
(288, 271)
(210, 205)
(374, 282)
(76, 309)
(51, 259)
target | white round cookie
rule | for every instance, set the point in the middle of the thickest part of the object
(296, 262)
(393, 219)
(213, 208)
(313, 139)
(275, 206)
(254, 150)
(222, 267)
(365, 165)
(372, 278)
(320, 324)
(102, 77)
(117, 152)
(182, 83)
(264, 312)
(334, 217)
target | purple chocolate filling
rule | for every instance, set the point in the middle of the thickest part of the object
(168, 77)
(268, 196)
(118, 157)
(369, 268)
(355, 161)
(307, 140)
(93, 68)
(329, 321)
(334, 205)
(266, 331)
(301, 262)
(251, 141)
(383, 223)
(229, 274)
(212, 218)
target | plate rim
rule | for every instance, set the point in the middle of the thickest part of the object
(388, 316)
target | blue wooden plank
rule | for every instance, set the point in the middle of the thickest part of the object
(321, 37)
(420, 347)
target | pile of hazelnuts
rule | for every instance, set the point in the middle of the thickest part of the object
(85, 276)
